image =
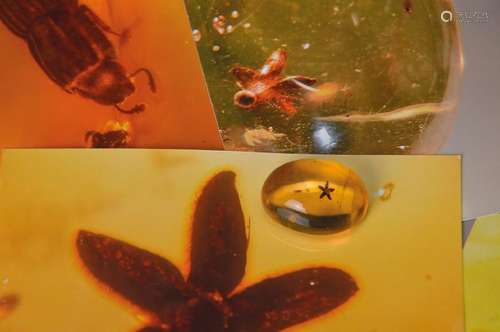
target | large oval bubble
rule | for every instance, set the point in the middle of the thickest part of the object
(315, 196)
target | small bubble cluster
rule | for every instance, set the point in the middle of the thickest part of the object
(219, 24)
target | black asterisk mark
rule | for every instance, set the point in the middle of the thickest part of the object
(326, 191)
(205, 300)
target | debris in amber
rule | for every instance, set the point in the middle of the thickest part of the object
(386, 192)
(315, 196)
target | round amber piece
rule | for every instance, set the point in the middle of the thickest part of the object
(315, 196)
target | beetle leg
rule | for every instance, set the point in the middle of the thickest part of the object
(124, 35)
(136, 109)
(151, 80)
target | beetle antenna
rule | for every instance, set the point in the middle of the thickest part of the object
(136, 109)
(152, 83)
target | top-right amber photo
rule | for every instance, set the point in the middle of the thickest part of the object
(330, 76)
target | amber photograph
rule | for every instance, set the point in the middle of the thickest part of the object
(176, 240)
(101, 73)
(330, 76)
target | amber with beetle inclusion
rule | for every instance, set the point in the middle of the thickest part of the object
(315, 196)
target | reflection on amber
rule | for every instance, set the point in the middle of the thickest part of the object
(36, 112)
(315, 196)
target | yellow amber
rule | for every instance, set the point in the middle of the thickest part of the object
(315, 196)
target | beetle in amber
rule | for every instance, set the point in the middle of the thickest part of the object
(267, 86)
(69, 42)
(208, 299)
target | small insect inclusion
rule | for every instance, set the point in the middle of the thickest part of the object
(267, 86)
(114, 135)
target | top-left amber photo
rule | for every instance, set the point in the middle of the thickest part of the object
(101, 73)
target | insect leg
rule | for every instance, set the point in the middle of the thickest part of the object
(136, 109)
(103, 25)
(151, 80)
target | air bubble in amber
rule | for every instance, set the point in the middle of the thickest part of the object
(315, 196)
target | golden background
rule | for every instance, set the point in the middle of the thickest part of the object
(405, 255)
(482, 275)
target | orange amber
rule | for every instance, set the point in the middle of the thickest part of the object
(315, 196)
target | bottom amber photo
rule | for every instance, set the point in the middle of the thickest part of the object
(176, 240)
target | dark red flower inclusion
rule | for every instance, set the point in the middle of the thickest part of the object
(204, 301)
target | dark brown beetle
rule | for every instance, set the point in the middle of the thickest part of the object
(69, 42)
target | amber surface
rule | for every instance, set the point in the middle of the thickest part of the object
(315, 196)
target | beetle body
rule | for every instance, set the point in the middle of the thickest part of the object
(69, 42)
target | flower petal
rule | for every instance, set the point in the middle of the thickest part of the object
(244, 75)
(219, 243)
(152, 329)
(148, 281)
(277, 303)
(274, 64)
